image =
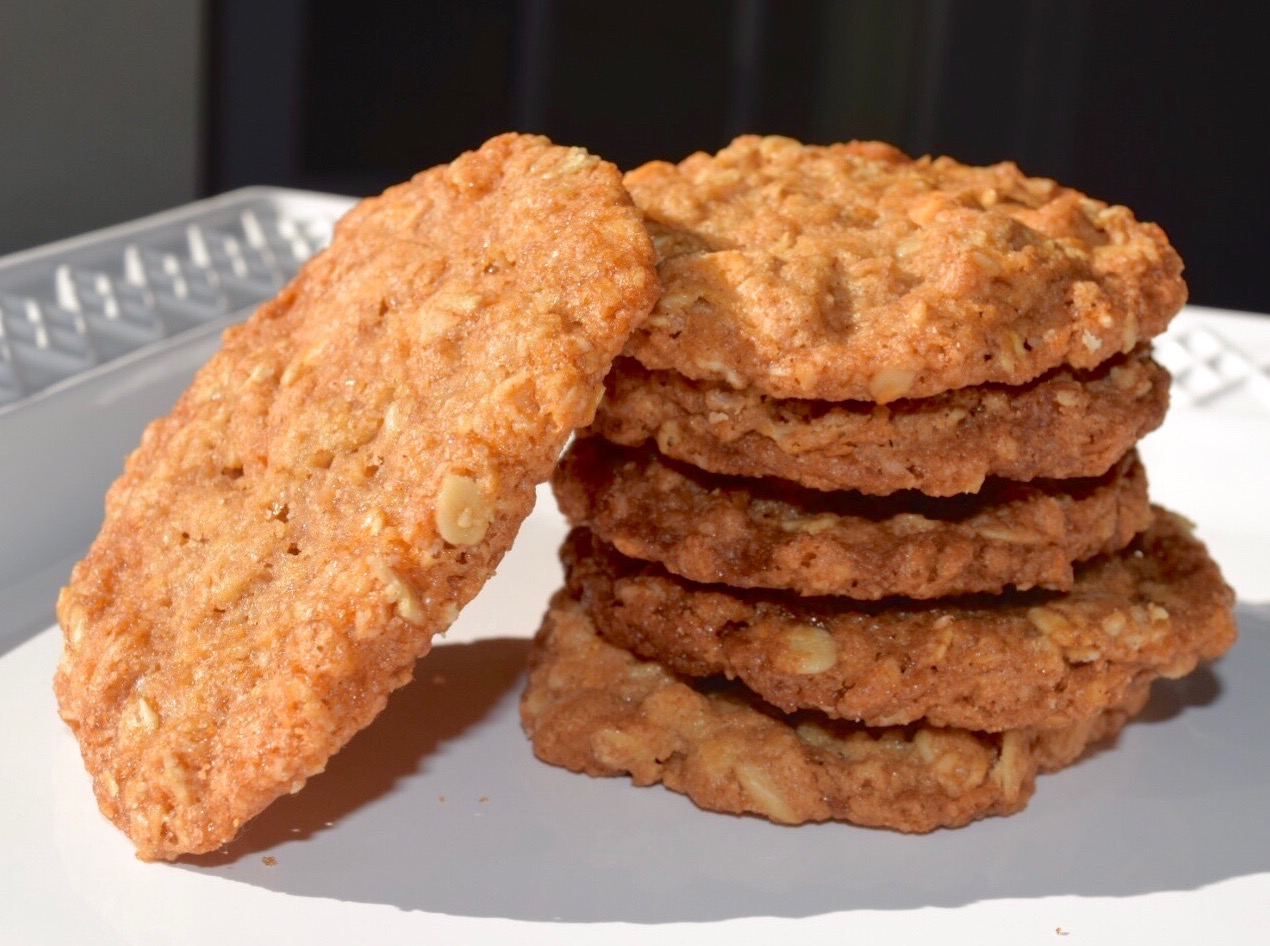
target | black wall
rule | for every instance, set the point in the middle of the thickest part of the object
(1157, 105)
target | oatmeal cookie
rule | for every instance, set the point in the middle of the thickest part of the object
(338, 481)
(594, 708)
(751, 533)
(1022, 659)
(1062, 425)
(852, 272)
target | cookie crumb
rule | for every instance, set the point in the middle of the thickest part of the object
(269, 860)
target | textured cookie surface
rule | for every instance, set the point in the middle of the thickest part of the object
(595, 708)
(1065, 424)
(771, 534)
(979, 662)
(851, 271)
(338, 481)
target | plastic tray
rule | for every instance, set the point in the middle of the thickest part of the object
(98, 335)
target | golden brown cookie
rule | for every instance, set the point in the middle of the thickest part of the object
(339, 481)
(1022, 659)
(1065, 424)
(751, 533)
(851, 271)
(594, 708)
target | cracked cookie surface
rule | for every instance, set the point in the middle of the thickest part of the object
(851, 271)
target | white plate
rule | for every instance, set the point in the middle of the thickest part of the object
(436, 824)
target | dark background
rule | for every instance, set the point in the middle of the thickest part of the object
(110, 111)
(1152, 104)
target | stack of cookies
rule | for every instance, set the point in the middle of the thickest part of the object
(860, 532)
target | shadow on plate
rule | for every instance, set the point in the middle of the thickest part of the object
(455, 686)
(441, 807)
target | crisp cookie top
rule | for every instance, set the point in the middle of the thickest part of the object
(981, 662)
(851, 271)
(592, 707)
(338, 481)
(752, 533)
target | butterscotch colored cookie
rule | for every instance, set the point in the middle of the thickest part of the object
(338, 481)
(854, 272)
(1065, 424)
(983, 662)
(771, 534)
(595, 708)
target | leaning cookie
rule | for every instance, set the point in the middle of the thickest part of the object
(851, 271)
(1022, 659)
(751, 533)
(1065, 424)
(338, 481)
(595, 708)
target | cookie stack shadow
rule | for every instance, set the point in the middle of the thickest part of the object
(894, 611)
